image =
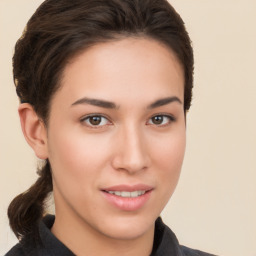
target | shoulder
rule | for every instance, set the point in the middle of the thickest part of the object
(26, 247)
(42, 244)
(16, 251)
(192, 252)
(166, 243)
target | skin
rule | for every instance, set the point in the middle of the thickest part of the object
(127, 146)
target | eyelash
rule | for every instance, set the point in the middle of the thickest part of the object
(170, 120)
(86, 120)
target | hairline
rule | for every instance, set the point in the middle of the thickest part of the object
(115, 37)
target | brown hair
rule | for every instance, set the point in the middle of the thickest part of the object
(60, 29)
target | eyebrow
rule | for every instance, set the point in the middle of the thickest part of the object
(164, 101)
(96, 102)
(112, 105)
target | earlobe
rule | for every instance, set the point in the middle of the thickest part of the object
(34, 130)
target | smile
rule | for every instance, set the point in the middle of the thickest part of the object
(127, 193)
(127, 197)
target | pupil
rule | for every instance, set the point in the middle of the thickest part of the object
(157, 119)
(95, 120)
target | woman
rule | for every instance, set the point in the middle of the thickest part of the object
(104, 88)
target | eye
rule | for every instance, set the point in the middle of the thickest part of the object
(95, 120)
(161, 120)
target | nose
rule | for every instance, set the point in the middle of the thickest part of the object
(131, 152)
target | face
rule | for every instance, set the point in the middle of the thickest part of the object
(116, 137)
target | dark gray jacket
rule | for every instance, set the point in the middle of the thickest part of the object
(165, 243)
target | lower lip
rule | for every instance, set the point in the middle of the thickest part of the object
(128, 203)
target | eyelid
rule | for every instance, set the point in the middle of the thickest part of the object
(84, 118)
(169, 116)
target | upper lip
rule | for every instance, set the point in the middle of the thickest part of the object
(129, 188)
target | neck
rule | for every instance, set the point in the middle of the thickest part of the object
(82, 239)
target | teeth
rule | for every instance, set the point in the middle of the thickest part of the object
(127, 193)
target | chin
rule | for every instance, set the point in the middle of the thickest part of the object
(128, 228)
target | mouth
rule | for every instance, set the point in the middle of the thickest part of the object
(127, 193)
(128, 198)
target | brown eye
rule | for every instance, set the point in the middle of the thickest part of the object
(95, 121)
(161, 120)
(157, 120)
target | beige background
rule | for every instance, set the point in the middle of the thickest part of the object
(214, 207)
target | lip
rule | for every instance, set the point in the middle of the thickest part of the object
(128, 203)
(129, 188)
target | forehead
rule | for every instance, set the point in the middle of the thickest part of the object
(127, 67)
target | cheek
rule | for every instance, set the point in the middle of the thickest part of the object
(169, 154)
(76, 160)
(170, 150)
(72, 148)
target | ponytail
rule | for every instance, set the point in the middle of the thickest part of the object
(28, 208)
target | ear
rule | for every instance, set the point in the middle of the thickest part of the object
(34, 130)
